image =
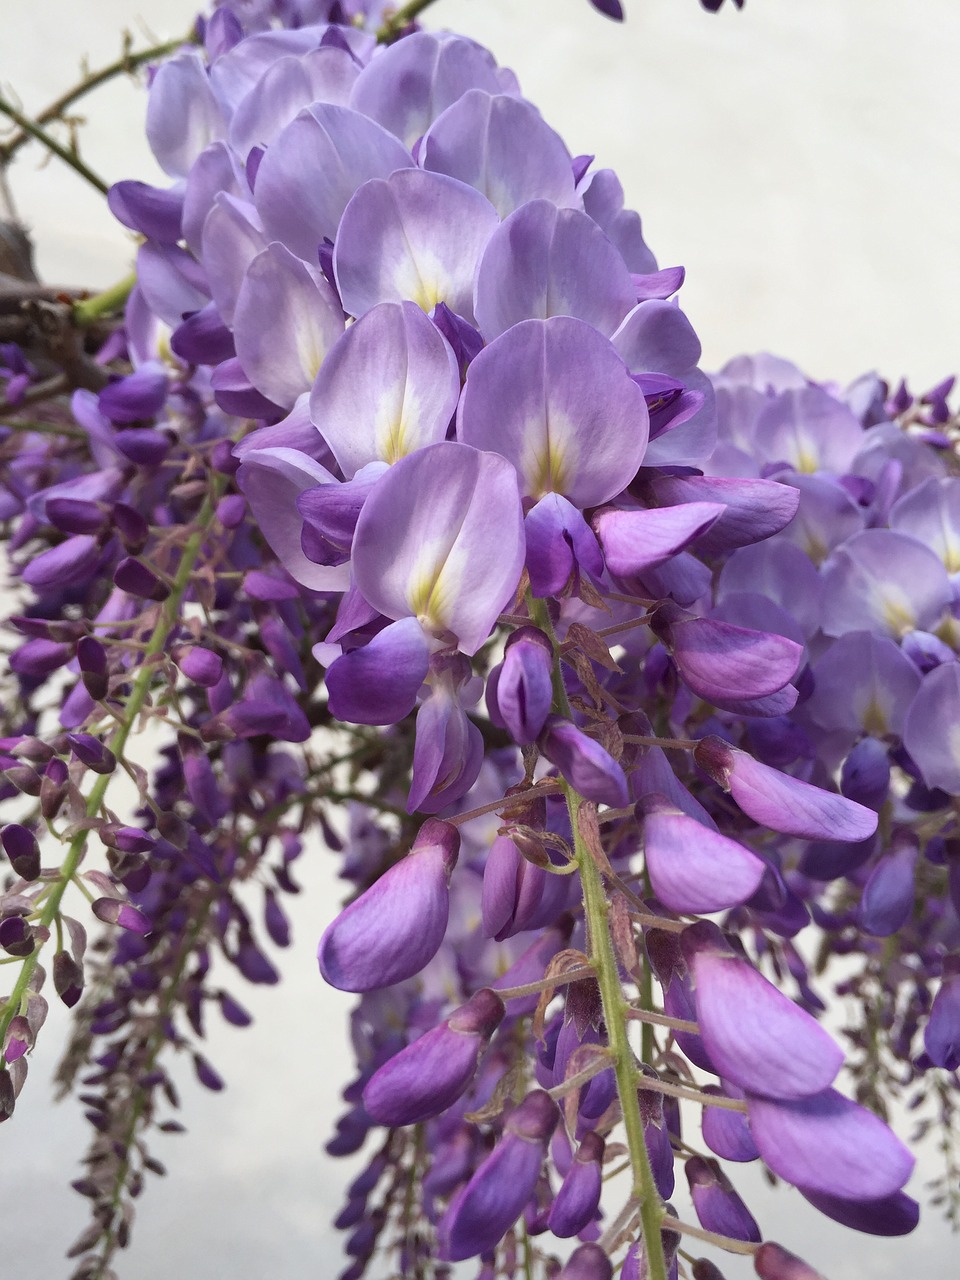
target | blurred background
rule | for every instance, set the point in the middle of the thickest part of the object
(802, 161)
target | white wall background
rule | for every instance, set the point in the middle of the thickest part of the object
(802, 160)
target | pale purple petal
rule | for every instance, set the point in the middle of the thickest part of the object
(413, 236)
(932, 728)
(634, 540)
(389, 386)
(863, 683)
(883, 581)
(693, 869)
(396, 927)
(183, 115)
(559, 541)
(783, 803)
(323, 75)
(314, 167)
(895, 1215)
(931, 514)
(720, 662)
(544, 261)
(554, 397)
(831, 1145)
(379, 683)
(272, 479)
(755, 1035)
(283, 358)
(753, 509)
(502, 146)
(232, 237)
(441, 539)
(410, 83)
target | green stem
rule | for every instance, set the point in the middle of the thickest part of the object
(595, 910)
(127, 63)
(41, 135)
(105, 303)
(169, 619)
(401, 19)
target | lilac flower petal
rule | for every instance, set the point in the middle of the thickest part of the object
(183, 115)
(502, 146)
(544, 261)
(389, 386)
(717, 1205)
(831, 1145)
(931, 514)
(447, 755)
(69, 561)
(440, 539)
(410, 83)
(272, 479)
(554, 398)
(720, 662)
(282, 359)
(588, 1261)
(781, 802)
(484, 1210)
(584, 763)
(888, 896)
(431, 1073)
(525, 689)
(693, 869)
(171, 281)
(753, 509)
(883, 581)
(603, 199)
(323, 75)
(152, 211)
(396, 927)
(773, 1262)
(658, 284)
(863, 684)
(755, 1035)
(941, 1035)
(216, 170)
(378, 683)
(415, 237)
(657, 337)
(808, 430)
(312, 170)
(931, 730)
(559, 541)
(895, 1215)
(232, 237)
(635, 540)
(727, 1134)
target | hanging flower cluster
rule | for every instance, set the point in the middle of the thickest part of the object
(403, 495)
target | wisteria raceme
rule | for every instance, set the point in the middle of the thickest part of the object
(586, 646)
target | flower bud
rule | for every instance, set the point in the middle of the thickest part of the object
(589, 1262)
(16, 936)
(21, 847)
(773, 1262)
(718, 1206)
(579, 1197)
(390, 932)
(92, 752)
(520, 693)
(584, 763)
(134, 577)
(67, 978)
(429, 1075)
(485, 1209)
(131, 526)
(116, 911)
(92, 660)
